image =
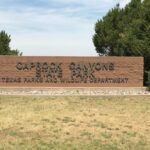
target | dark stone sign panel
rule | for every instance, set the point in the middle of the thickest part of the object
(25, 71)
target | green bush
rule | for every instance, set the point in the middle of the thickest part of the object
(147, 79)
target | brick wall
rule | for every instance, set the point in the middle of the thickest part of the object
(41, 71)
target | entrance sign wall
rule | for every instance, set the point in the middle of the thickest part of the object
(41, 71)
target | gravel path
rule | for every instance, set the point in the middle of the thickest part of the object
(74, 91)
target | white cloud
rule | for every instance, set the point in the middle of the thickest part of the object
(123, 3)
(47, 33)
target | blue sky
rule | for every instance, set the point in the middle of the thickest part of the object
(53, 27)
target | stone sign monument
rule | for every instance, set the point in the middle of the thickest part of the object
(25, 71)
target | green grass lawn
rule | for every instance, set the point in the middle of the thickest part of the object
(74, 123)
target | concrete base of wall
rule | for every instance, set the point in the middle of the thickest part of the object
(75, 91)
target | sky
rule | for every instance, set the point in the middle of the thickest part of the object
(53, 27)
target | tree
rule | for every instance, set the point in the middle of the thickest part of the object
(4, 45)
(125, 31)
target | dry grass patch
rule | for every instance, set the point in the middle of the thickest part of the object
(94, 123)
